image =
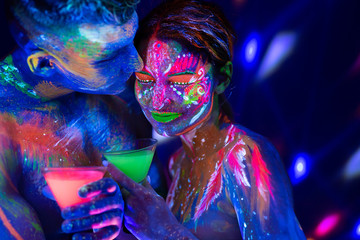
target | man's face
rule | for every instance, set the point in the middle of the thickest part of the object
(93, 57)
(175, 88)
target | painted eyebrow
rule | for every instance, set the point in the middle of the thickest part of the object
(146, 73)
(181, 73)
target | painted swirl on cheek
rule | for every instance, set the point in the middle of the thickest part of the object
(193, 93)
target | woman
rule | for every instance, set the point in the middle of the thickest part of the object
(227, 182)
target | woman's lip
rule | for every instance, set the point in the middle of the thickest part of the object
(164, 117)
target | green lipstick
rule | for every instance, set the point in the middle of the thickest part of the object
(165, 117)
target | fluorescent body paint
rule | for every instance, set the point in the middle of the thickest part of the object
(91, 57)
(175, 87)
(225, 165)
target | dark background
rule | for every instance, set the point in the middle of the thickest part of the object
(308, 106)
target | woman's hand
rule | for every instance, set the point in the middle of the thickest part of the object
(146, 213)
(103, 213)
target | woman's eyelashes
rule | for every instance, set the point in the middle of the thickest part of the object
(182, 78)
(144, 77)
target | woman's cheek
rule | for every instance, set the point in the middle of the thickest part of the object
(143, 93)
(193, 93)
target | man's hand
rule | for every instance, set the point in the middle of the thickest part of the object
(103, 213)
(146, 214)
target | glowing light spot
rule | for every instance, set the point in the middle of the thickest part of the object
(327, 225)
(352, 168)
(279, 49)
(250, 50)
(356, 232)
(300, 168)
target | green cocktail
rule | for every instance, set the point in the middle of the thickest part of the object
(135, 163)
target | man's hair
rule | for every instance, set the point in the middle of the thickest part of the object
(198, 25)
(55, 12)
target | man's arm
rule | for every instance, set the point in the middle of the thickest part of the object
(260, 191)
(17, 219)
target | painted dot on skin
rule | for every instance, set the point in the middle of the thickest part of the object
(111, 189)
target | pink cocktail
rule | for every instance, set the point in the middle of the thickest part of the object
(64, 182)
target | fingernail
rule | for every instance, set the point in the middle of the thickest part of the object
(83, 191)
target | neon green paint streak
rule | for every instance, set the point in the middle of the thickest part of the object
(36, 226)
(10, 75)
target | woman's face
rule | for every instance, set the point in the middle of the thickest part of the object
(175, 88)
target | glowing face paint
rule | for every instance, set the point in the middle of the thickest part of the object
(93, 57)
(175, 88)
(65, 183)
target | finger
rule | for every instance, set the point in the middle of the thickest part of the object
(109, 232)
(102, 186)
(113, 217)
(93, 207)
(122, 179)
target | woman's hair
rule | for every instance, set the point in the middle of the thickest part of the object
(198, 25)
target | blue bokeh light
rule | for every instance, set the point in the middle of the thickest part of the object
(250, 50)
(356, 233)
(300, 168)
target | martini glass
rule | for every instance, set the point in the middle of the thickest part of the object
(64, 182)
(134, 161)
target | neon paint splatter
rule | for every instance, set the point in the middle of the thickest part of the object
(9, 226)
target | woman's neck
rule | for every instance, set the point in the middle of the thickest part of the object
(206, 137)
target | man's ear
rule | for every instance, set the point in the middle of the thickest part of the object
(226, 73)
(41, 63)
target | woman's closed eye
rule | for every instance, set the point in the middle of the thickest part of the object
(144, 77)
(183, 78)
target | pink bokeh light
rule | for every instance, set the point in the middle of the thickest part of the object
(327, 225)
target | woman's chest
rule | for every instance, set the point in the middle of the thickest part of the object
(199, 199)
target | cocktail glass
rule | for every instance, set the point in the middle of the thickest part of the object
(134, 162)
(64, 182)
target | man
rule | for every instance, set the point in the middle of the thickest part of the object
(66, 49)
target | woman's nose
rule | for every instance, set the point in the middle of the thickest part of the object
(159, 98)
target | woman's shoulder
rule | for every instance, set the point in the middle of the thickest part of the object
(240, 136)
